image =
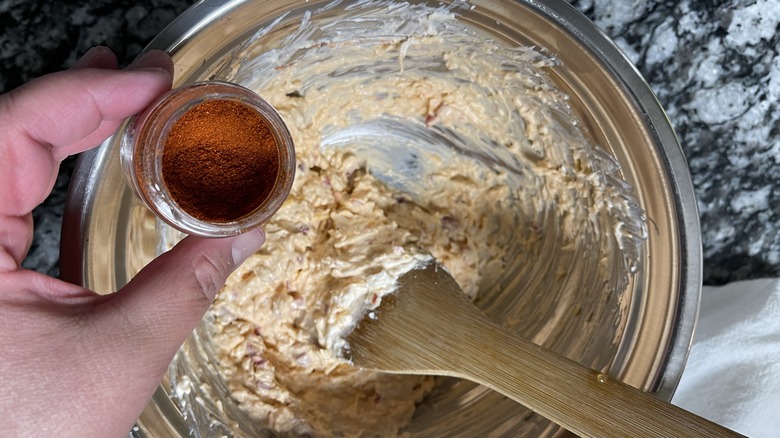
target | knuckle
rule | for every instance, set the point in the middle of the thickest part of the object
(209, 275)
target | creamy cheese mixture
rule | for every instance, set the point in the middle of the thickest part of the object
(414, 136)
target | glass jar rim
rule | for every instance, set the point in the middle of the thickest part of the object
(144, 138)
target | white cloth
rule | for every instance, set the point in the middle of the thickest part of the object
(733, 372)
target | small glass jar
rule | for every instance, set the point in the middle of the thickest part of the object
(144, 141)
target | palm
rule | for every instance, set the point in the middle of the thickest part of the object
(75, 363)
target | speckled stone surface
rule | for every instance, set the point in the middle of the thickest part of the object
(714, 66)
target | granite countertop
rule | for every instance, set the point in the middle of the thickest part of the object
(714, 66)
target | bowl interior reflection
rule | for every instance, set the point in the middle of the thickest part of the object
(577, 296)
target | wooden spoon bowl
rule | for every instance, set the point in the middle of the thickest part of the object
(428, 326)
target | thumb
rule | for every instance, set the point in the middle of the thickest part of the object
(167, 299)
(152, 316)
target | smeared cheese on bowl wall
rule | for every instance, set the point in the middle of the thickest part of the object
(414, 135)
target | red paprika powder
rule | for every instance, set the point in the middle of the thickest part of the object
(220, 160)
(209, 158)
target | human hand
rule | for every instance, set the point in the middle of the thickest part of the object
(74, 363)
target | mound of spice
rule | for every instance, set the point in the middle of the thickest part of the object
(220, 160)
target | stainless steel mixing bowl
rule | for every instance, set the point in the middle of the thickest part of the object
(108, 236)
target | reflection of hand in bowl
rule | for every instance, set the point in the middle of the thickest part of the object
(411, 130)
(471, 158)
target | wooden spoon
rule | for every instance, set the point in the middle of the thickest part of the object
(428, 326)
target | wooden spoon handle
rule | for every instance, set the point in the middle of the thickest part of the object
(548, 383)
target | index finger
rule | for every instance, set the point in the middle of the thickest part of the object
(64, 113)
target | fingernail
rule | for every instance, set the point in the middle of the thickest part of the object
(91, 55)
(247, 244)
(153, 59)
